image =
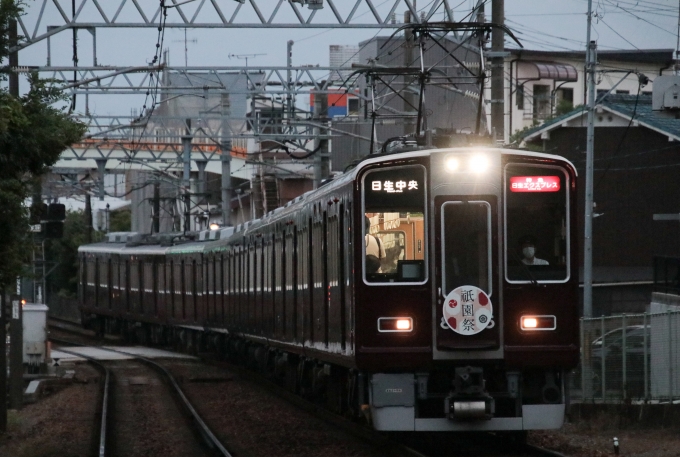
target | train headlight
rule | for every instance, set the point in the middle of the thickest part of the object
(479, 163)
(395, 324)
(534, 323)
(214, 226)
(452, 164)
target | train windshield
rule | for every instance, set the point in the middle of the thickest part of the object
(394, 225)
(537, 223)
(466, 245)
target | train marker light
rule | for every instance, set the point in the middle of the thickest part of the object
(479, 164)
(395, 324)
(529, 322)
(537, 323)
(403, 324)
(452, 164)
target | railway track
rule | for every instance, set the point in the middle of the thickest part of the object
(136, 413)
(439, 445)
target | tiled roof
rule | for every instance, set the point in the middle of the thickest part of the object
(625, 106)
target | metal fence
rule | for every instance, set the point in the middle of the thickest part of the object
(633, 357)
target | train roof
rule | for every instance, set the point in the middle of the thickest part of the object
(124, 242)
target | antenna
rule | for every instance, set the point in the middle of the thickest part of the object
(245, 56)
(186, 48)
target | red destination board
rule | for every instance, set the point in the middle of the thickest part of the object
(535, 184)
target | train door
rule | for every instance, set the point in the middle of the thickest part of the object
(95, 281)
(302, 284)
(115, 283)
(259, 285)
(109, 282)
(277, 280)
(467, 251)
(125, 283)
(209, 293)
(289, 284)
(347, 245)
(318, 252)
(334, 315)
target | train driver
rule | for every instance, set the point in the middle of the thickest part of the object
(375, 250)
(528, 247)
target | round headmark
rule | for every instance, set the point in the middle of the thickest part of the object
(468, 310)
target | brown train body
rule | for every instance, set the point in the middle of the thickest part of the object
(291, 294)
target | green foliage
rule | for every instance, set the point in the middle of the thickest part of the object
(33, 133)
(121, 220)
(9, 9)
(518, 136)
(14, 243)
(64, 278)
(563, 107)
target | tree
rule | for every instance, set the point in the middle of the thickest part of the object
(34, 131)
(121, 220)
(64, 278)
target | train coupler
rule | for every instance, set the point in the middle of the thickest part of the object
(480, 408)
(469, 399)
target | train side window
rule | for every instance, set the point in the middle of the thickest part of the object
(536, 224)
(394, 229)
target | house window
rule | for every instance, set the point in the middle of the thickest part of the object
(352, 106)
(520, 96)
(541, 101)
(565, 94)
(623, 92)
(564, 101)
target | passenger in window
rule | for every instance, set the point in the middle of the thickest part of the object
(528, 246)
(375, 250)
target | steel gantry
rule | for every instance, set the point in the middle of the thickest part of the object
(252, 14)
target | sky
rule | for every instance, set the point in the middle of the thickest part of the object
(539, 24)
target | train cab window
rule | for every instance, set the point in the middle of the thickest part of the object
(466, 245)
(394, 225)
(537, 224)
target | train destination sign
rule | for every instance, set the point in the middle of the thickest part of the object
(401, 189)
(535, 184)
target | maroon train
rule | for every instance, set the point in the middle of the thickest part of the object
(460, 328)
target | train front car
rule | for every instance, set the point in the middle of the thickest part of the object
(466, 304)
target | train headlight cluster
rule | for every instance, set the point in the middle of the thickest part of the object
(533, 323)
(477, 163)
(452, 164)
(395, 324)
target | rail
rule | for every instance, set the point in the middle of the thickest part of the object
(209, 437)
(105, 398)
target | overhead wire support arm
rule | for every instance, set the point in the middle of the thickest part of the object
(224, 14)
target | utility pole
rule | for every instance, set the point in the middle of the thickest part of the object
(497, 72)
(156, 221)
(3, 361)
(290, 104)
(409, 97)
(321, 159)
(16, 362)
(186, 176)
(591, 62)
(14, 315)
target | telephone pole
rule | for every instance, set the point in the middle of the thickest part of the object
(497, 55)
(591, 63)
